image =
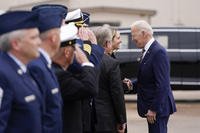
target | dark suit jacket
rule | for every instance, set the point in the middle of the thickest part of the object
(153, 83)
(74, 90)
(110, 105)
(20, 99)
(49, 88)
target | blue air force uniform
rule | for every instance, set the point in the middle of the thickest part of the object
(40, 69)
(50, 17)
(21, 104)
(20, 99)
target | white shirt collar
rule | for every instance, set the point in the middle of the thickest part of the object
(46, 56)
(147, 46)
(21, 65)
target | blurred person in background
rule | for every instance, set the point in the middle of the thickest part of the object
(20, 99)
(50, 19)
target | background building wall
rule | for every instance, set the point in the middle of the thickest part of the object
(167, 12)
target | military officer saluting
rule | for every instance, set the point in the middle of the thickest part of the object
(20, 100)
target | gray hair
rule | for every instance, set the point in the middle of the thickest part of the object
(5, 39)
(46, 34)
(103, 34)
(143, 26)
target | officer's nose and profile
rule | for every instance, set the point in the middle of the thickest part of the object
(20, 100)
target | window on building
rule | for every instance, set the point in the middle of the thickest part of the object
(114, 24)
(163, 40)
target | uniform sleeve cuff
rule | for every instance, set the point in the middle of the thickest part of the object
(87, 64)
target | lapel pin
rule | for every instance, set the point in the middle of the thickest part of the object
(49, 66)
(138, 59)
(19, 71)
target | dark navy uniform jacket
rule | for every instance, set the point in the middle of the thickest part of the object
(20, 100)
(49, 87)
(74, 90)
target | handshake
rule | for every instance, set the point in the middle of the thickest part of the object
(128, 83)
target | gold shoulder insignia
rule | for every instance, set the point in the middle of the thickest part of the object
(87, 48)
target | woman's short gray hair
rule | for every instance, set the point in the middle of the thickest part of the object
(143, 26)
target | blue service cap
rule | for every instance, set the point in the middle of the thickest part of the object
(86, 18)
(16, 20)
(50, 16)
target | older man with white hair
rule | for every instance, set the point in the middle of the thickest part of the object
(155, 100)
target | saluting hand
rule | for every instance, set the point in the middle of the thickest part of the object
(92, 37)
(80, 55)
(83, 33)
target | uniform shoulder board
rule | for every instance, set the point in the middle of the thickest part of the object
(87, 47)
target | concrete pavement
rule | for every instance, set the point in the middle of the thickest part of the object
(180, 96)
(185, 120)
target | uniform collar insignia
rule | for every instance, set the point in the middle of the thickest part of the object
(19, 71)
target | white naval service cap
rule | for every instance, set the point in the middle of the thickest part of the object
(68, 33)
(74, 16)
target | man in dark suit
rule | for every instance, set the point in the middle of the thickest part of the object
(74, 89)
(20, 99)
(155, 100)
(50, 19)
(110, 104)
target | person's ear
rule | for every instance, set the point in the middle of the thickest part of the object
(66, 52)
(53, 38)
(143, 33)
(15, 44)
(107, 44)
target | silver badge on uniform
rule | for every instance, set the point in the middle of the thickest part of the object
(30, 98)
(54, 91)
(1, 96)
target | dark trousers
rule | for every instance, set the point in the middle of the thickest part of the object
(106, 132)
(160, 126)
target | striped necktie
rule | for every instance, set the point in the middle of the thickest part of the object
(142, 55)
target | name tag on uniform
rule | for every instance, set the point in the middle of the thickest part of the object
(1, 96)
(30, 98)
(54, 91)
